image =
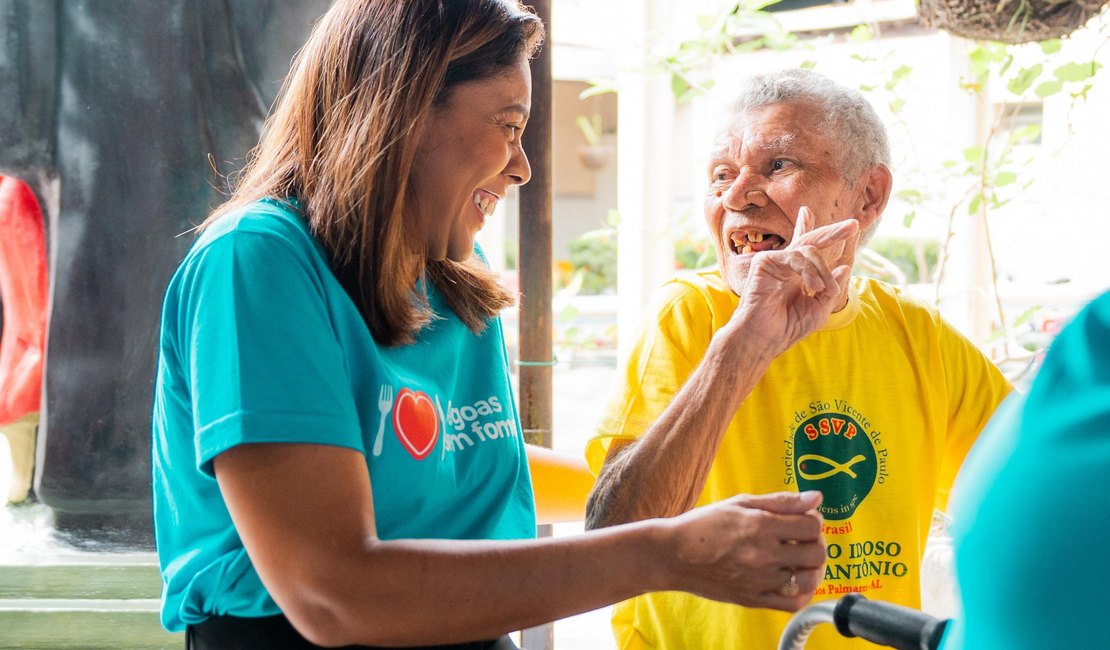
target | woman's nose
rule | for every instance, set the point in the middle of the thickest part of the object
(518, 168)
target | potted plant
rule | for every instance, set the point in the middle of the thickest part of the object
(593, 154)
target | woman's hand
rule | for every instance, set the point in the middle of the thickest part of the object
(746, 549)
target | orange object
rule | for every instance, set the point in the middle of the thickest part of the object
(560, 483)
(23, 290)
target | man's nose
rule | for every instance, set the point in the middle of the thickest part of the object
(746, 190)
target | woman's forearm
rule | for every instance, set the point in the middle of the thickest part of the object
(408, 592)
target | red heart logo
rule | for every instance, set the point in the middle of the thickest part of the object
(416, 422)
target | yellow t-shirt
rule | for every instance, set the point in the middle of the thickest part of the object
(876, 410)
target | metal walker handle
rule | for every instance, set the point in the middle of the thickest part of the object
(881, 623)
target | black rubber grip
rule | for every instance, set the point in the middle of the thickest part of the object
(886, 624)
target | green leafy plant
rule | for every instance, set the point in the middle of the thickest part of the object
(590, 128)
(692, 252)
(594, 255)
(903, 260)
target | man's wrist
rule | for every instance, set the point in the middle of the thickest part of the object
(736, 343)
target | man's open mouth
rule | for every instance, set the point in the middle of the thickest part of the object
(743, 242)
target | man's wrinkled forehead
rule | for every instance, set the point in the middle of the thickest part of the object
(740, 130)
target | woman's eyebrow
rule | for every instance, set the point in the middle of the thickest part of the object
(516, 108)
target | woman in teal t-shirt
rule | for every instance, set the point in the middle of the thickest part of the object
(1031, 515)
(337, 457)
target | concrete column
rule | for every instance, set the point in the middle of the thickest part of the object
(644, 189)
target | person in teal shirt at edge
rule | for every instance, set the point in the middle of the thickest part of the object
(1031, 519)
(337, 457)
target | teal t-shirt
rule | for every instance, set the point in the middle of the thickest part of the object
(1030, 515)
(260, 343)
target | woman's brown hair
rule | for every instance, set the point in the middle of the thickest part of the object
(343, 135)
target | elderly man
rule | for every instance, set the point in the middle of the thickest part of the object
(741, 383)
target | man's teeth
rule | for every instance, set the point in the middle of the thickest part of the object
(742, 242)
(485, 204)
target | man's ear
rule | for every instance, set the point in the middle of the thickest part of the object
(876, 192)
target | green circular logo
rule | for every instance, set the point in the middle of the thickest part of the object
(833, 454)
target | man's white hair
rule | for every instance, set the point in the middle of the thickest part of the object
(846, 116)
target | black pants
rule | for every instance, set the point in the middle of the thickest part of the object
(277, 633)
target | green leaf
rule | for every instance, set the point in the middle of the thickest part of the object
(613, 218)
(897, 105)
(973, 207)
(861, 34)
(591, 129)
(597, 88)
(705, 23)
(808, 65)
(1002, 179)
(910, 196)
(1082, 94)
(1048, 88)
(980, 62)
(679, 85)
(749, 46)
(1076, 71)
(781, 41)
(908, 219)
(1051, 46)
(1006, 65)
(973, 154)
(1025, 133)
(1024, 79)
(901, 72)
(867, 88)
(1027, 315)
(862, 58)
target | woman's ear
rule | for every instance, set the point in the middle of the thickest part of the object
(876, 192)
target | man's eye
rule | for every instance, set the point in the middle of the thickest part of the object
(778, 165)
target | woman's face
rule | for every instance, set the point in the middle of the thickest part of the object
(468, 155)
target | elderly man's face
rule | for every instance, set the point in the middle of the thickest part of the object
(765, 165)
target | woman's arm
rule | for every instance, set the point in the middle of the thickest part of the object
(306, 518)
(560, 483)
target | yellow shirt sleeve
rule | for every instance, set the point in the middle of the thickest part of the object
(975, 389)
(668, 346)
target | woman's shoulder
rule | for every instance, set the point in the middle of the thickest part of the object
(255, 237)
(280, 218)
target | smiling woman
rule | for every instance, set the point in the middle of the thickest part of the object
(337, 453)
(464, 166)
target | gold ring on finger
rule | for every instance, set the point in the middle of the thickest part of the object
(791, 588)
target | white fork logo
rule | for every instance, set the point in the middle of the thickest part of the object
(385, 404)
